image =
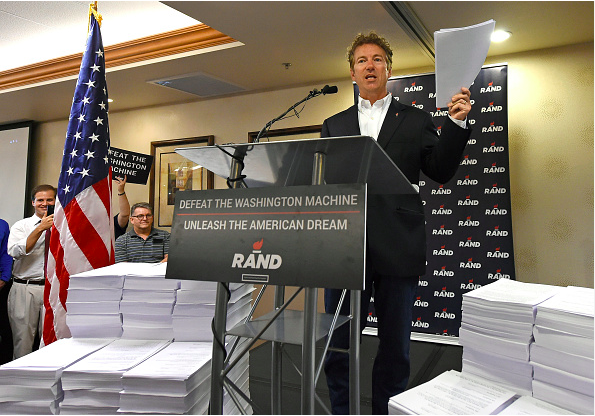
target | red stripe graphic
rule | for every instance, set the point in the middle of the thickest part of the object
(271, 213)
(85, 236)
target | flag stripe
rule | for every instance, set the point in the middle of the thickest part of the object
(104, 228)
(104, 191)
(93, 238)
(58, 290)
(76, 261)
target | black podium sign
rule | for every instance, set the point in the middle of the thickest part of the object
(311, 236)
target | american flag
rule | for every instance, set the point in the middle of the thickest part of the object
(82, 235)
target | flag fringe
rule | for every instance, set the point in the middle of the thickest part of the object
(93, 11)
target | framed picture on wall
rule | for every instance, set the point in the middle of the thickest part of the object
(172, 173)
(292, 133)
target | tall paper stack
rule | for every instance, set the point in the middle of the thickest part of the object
(176, 380)
(195, 308)
(93, 303)
(136, 301)
(93, 385)
(147, 303)
(497, 331)
(562, 355)
(31, 384)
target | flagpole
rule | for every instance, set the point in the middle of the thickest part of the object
(82, 233)
(93, 11)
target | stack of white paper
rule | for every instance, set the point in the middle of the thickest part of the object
(466, 394)
(176, 380)
(93, 303)
(497, 331)
(452, 393)
(562, 355)
(195, 308)
(93, 385)
(31, 384)
(147, 303)
(136, 301)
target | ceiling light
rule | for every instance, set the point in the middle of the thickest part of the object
(500, 35)
(109, 100)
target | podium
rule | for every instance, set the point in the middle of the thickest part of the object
(314, 193)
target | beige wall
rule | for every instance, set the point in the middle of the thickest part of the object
(551, 164)
(228, 119)
(551, 150)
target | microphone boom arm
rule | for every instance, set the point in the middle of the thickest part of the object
(314, 93)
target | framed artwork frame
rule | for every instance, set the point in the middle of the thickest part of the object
(173, 173)
(292, 133)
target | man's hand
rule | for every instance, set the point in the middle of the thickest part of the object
(460, 105)
(164, 259)
(123, 204)
(121, 184)
(2, 284)
(46, 222)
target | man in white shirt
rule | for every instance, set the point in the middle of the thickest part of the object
(395, 224)
(26, 244)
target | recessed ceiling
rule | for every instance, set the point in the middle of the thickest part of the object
(313, 36)
(37, 31)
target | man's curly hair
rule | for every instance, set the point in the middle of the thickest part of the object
(371, 38)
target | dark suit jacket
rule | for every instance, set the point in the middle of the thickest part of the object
(396, 223)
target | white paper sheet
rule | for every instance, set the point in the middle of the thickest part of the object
(118, 357)
(526, 405)
(178, 361)
(453, 393)
(513, 293)
(57, 355)
(460, 54)
(571, 310)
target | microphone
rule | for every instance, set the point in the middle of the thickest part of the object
(314, 93)
(329, 89)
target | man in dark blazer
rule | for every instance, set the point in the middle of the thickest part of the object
(396, 240)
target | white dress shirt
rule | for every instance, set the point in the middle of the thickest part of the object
(26, 265)
(371, 117)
